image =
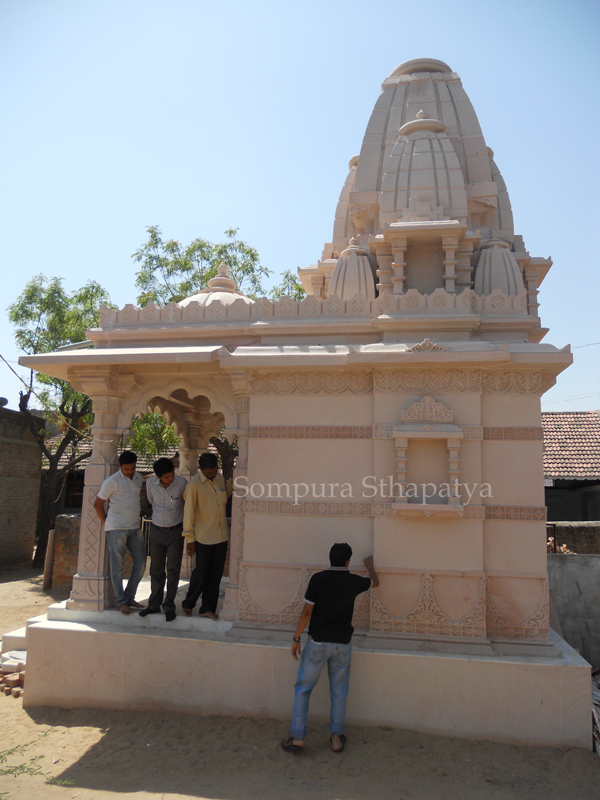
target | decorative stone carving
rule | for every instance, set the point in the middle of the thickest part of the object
(472, 432)
(310, 432)
(512, 382)
(311, 383)
(249, 611)
(535, 626)
(384, 508)
(427, 409)
(426, 346)
(426, 618)
(521, 513)
(383, 431)
(515, 434)
(429, 380)
(111, 405)
(242, 405)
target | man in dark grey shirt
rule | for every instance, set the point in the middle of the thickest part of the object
(165, 490)
(328, 608)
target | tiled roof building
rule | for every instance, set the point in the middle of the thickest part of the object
(572, 445)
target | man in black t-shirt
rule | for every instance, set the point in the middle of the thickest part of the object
(328, 607)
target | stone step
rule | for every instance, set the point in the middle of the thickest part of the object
(14, 640)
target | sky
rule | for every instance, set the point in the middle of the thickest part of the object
(200, 116)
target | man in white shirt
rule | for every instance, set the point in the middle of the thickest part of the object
(122, 528)
(165, 490)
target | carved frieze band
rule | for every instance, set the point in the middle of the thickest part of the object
(251, 611)
(283, 383)
(426, 618)
(411, 381)
(367, 509)
(535, 626)
(310, 432)
(470, 432)
(456, 380)
(514, 434)
(516, 513)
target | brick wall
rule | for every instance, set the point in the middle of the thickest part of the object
(20, 469)
(581, 537)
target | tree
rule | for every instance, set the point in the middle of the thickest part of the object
(46, 317)
(152, 436)
(170, 271)
(290, 286)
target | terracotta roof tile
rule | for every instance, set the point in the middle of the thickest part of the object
(143, 466)
(572, 445)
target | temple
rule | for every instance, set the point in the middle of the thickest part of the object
(396, 407)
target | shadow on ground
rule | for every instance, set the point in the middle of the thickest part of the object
(231, 759)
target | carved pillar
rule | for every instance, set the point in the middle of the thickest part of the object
(531, 283)
(450, 244)
(188, 461)
(92, 590)
(464, 270)
(236, 544)
(399, 266)
(401, 448)
(385, 269)
(317, 283)
(453, 471)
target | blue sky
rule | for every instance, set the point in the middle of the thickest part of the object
(198, 116)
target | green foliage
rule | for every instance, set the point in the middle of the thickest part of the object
(170, 271)
(152, 435)
(228, 453)
(46, 317)
(30, 767)
(290, 286)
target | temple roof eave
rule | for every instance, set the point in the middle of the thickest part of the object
(66, 365)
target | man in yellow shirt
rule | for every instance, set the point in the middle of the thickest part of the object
(206, 534)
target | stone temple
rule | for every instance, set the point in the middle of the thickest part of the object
(396, 407)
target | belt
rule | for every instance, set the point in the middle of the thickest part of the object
(162, 528)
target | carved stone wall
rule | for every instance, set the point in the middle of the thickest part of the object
(428, 617)
(256, 595)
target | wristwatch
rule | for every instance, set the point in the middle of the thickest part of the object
(296, 639)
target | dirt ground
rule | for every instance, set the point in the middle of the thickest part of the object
(151, 756)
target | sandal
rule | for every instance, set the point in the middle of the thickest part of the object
(342, 740)
(289, 746)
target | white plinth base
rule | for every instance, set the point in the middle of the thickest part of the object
(526, 700)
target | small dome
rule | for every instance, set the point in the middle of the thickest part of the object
(423, 167)
(352, 274)
(221, 288)
(498, 269)
(420, 65)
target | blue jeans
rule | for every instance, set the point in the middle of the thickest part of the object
(118, 542)
(313, 659)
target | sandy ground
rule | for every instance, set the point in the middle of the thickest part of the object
(150, 756)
